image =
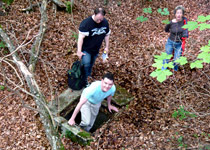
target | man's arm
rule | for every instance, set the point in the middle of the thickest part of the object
(76, 110)
(107, 43)
(79, 45)
(111, 107)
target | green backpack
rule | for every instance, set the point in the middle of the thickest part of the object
(76, 76)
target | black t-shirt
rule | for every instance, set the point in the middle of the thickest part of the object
(176, 30)
(94, 34)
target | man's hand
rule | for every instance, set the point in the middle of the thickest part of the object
(71, 122)
(110, 107)
(80, 54)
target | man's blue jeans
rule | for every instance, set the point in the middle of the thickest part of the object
(88, 61)
(175, 47)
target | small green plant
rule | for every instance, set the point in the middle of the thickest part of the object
(69, 7)
(166, 21)
(203, 57)
(75, 35)
(147, 10)
(142, 18)
(182, 114)
(2, 88)
(163, 12)
(180, 141)
(8, 2)
(159, 73)
(2, 45)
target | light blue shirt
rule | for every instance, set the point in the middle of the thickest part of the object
(95, 95)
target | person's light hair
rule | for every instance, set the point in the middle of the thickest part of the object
(179, 7)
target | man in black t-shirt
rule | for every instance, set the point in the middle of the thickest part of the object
(92, 31)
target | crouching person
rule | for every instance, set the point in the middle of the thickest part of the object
(90, 101)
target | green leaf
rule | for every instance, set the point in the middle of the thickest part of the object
(163, 74)
(205, 56)
(208, 17)
(142, 18)
(205, 48)
(182, 60)
(204, 26)
(2, 87)
(197, 64)
(166, 21)
(175, 114)
(191, 25)
(8, 2)
(164, 12)
(209, 43)
(2, 45)
(163, 56)
(201, 19)
(147, 10)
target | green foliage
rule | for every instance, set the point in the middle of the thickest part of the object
(163, 12)
(2, 87)
(182, 114)
(69, 7)
(197, 64)
(205, 54)
(203, 18)
(84, 134)
(147, 10)
(8, 2)
(2, 45)
(181, 142)
(191, 25)
(161, 74)
(142, 18)
(166, 21)
(182, 60)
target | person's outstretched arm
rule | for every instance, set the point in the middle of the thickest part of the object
(76, 110)
(111, 107)
(107, 43)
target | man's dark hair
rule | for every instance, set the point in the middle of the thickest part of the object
(100, 11)
(109, 76)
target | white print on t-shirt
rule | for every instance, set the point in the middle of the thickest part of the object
(98, 31)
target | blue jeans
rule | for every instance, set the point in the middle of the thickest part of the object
(88, 61)
(175, 47)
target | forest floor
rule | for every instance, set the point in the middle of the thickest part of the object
(147, 122)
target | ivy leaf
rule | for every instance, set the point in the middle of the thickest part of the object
(166, 21)
(147, 10)
(142, 18)
(209, 43)
(204, 26)
(191, 25)
(197, 64)
(201, 19)
(182, 60)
